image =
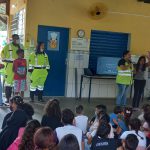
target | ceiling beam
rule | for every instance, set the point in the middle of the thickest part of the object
(8, 8)
(3, 20)
(3, 1)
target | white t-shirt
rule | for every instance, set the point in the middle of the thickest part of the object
(81, 122)
(70, 129)
(111, 134)
(142, 142)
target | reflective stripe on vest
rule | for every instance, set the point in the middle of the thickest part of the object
(10, 51)
(124, 73)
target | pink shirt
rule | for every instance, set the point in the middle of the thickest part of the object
(17, 141)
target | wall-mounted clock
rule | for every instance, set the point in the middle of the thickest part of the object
(81, 33)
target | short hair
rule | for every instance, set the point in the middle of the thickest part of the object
(44, 138)
(79, 109)
(118, 109)
(125, 53)
(135, 124)
(19, 51)
(28, 108)
(15, 35)
(103, 129)
(67, 116)
(131, 142)
(69, 142)
(102, 107)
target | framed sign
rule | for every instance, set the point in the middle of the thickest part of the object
(80, 44)
(53, 41)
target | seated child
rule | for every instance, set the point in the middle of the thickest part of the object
(81, 121)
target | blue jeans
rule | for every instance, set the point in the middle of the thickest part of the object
(122, 92)
(1, 91)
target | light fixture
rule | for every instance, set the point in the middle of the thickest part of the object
(13, 6)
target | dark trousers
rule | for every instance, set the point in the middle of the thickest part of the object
(40, 95)
(138, 91)
(8, 92)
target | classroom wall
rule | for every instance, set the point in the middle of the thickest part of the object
(127, 16)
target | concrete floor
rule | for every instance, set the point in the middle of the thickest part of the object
(71, 103)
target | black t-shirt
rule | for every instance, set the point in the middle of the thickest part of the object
(121, 62)
(51, 122)
(105, 144)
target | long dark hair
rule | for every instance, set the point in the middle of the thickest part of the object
(38, 48)
(138, 64)
(135, 125)
(103, 129)
(52, 109)
(27, 138)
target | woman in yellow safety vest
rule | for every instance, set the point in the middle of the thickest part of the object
(38, 66)
(124, 78)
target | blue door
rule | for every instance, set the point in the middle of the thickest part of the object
(56, 80)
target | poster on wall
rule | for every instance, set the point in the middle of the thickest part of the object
(53, 41)
(80, 44)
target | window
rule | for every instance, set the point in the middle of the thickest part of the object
(18, 24)
(109, 44)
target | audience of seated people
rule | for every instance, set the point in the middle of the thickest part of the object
(62, 130)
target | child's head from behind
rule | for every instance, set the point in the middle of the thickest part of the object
(131, 142)
(69, 142)
(135, 124)
(20, 53)
(67, 117)
(118, 110)
(79, 110)
(100, 108)
(27, 138)
(44, 139)
(103, 129)
(52, 109)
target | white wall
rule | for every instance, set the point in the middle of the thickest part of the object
(100, 88)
